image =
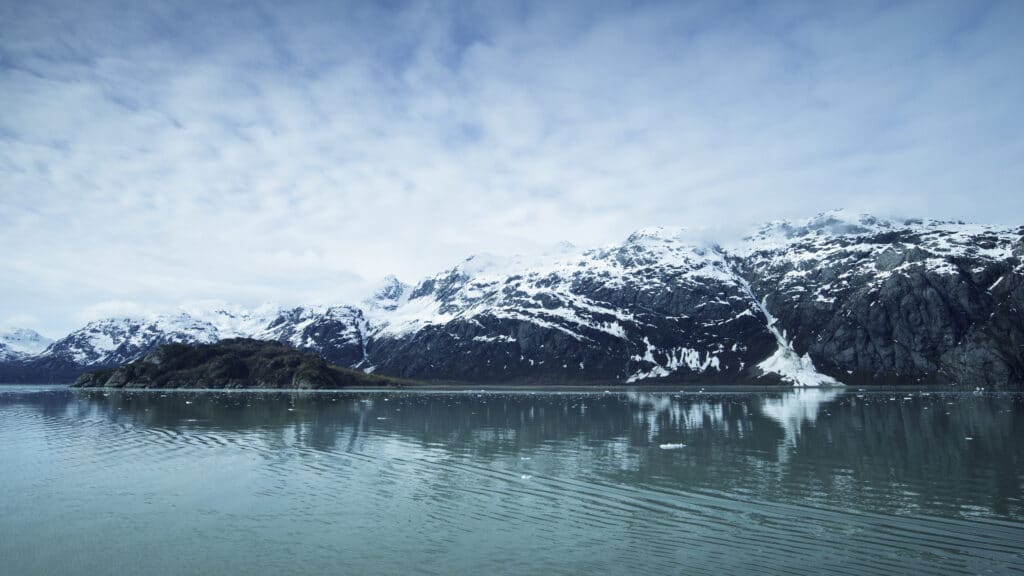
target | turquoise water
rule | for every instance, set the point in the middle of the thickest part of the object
(803, 482)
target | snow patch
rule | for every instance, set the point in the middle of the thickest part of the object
(675, 359)
(785, 362)
(499, 338)
(795, 369)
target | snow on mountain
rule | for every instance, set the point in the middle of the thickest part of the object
(834, 298)
(231, 321)
(548, 290)
(825, 257)
(334, 332)
(18, 342)
(389, 295)
(838, 235)
(868, 297)
(654, 299)
(119, 340)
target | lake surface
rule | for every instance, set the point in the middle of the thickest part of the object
(802, 482)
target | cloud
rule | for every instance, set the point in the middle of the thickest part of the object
(112, 309)
(18, 320)
(155, 153)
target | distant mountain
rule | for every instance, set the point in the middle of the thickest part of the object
(21, 342)
(833, 299)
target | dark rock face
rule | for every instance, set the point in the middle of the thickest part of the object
(834, 299)
(232, 363)
(901, 305)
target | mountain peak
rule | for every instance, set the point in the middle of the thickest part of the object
(390, 293)
(832, 223)
(666, 233)
(23, 340)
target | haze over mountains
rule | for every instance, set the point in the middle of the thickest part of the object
(833, 299)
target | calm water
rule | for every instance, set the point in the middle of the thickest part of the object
(440, 483)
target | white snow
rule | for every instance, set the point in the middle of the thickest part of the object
(676, 358)
(795, 369)
(554, 291)
(785, 362)
(839, 238)
(544, 290)
(498, 338)
(229, 321)
(22, 342)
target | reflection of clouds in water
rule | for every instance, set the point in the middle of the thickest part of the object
(681, 416)
(794, 408)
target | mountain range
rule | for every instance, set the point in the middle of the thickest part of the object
(835, 299)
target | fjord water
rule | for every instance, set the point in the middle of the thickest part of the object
(796, 482)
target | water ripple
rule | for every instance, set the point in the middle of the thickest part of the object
(507, 483)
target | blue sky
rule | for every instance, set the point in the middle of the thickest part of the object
(157, 153)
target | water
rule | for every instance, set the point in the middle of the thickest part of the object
(801, 482)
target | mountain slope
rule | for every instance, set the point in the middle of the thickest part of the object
(880, 301)
(653, 306)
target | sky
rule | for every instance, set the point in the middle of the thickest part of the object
(159, 153)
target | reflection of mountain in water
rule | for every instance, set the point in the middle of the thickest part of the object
(870, 451)
(793, 409)
(676, 412)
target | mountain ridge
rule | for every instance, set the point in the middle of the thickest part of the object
(828, 300)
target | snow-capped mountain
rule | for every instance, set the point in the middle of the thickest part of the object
(120, 340)
(645, 308)
(833, 299)
(21, 342)
(874, 300)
